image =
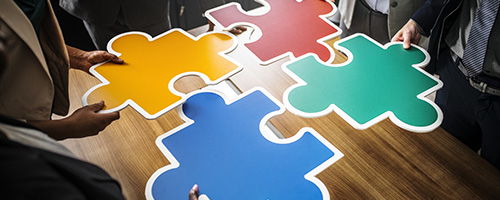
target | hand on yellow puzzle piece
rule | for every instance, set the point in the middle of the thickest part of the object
(152, 65)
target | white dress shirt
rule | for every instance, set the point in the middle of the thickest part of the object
(379, 5)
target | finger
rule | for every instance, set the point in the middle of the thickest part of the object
(406, 39)
(101, 56)
(96, 106)
(112, 57)
(397, 37)
(242, 28)
(106, 119)
(194, 193)
(210, 25)
(116, 59)
(110, 117)
(106, 116)
(235, 31)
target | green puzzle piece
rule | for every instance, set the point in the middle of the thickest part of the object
(375, 83)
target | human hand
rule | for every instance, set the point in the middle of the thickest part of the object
(194, 193)
(408, 34)
(236, 30)
(82, 123)
(83, 60)
(87, 122)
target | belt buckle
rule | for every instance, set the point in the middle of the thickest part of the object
(479, 85)
(483, 86)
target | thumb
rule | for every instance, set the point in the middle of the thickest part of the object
(96, 106)
(194, 193)
(113, 58)
(101, 56)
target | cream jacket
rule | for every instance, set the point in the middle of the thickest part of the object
(34, 83)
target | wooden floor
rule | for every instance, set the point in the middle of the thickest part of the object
(381, 162)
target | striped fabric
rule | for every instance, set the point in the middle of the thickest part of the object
(475, 49)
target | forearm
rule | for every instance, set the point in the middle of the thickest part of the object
(83, 122)
(56, 129)
(84, 60)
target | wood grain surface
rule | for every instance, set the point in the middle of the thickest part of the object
(381, 162)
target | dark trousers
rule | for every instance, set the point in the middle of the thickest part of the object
(368, 21)
(469, 115)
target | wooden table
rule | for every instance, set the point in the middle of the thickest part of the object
(381, 162)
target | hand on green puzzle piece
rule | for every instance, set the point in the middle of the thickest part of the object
(364, 90)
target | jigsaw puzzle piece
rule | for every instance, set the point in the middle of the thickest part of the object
(152, 65)
(288, 26)
(375, 83)
(224, 152)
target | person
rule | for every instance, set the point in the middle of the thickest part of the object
(464, 47)
(35, 82)
(194, 193)
(34, 165)
(187, 14)
(379, 19)
(105, 19)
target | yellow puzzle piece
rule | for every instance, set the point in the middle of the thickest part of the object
(152, 65)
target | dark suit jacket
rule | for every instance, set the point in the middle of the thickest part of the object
(32, 173)
(188, 14)
(137, 13)
(435, 18)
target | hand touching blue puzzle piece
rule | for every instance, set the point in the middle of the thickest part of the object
(223, 151)
(375, 83)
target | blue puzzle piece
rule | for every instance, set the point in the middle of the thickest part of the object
(223, 151)
(376, 82)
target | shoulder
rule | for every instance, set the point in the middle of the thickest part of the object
(45, 175)
(24, 169)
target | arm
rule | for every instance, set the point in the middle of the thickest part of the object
(82, 123)
(83, 60)
(421, 23)
(426, 16)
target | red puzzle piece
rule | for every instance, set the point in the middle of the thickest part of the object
(288, 26)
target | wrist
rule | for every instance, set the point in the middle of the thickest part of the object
(76, 56)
